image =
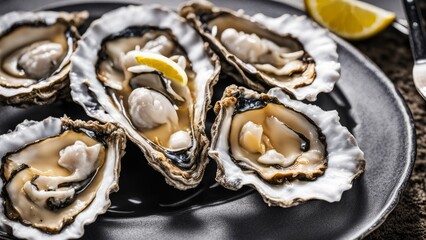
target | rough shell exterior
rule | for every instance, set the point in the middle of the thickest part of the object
(56, 87)
(315, 40)
(89, 92)
(345, 159)
(30, 131)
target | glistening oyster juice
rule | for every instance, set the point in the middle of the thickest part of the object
(158, 198)
(260, 52)
(149, 73)
(57, 175)
(35, 52)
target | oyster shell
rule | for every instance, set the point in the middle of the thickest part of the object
(35, 51)
(164, 118)
(290, 52)
(56, 176)
(290, 152)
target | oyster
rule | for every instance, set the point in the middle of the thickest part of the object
(56, 176)
(290, 152)
(290, 52)
(113, 78)
(35, 51)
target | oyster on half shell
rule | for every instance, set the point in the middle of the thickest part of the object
(289, 151)
(163, 116)
(35, 52)
(56, 176)
(289, 52)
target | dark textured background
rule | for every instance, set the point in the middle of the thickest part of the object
(408, 220)
(390, 51)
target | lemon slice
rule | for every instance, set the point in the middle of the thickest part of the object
(350, 19)
(167, 67)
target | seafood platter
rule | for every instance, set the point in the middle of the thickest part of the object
(145, 76)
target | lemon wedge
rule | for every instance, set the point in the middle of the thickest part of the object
(167, 67)
(350, 19)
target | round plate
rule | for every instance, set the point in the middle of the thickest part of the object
(146, 207)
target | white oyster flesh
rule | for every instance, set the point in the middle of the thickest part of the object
(148, 106)
(35, 51)
(164, 118)
(254, 140)
(57, 175)
(251, 138)
(281, 137)
(290, 52)
(317, 42)
(40, 58)
(289, 151)
(277, 60)
(160, 45)
(148, 109)
(180, 140)
(79, 159)
(272, 157)
(253, 49)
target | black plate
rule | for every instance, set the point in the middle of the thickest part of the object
(145, 207)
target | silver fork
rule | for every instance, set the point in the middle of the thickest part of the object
(418, 44)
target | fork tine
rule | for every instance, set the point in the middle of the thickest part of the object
(418, 44)
(419, 77)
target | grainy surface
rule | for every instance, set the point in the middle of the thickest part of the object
(390, 51)
(408, 220)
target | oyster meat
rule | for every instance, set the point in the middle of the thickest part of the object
(56, 176)
(146, 69)
(289, 151)
(35, 51)
(289, 52)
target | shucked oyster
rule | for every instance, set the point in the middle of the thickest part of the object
(56, 176)
(148, 70)
(35, 51)
(289, 52)
(289, 151)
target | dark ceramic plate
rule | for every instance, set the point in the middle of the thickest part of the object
(146, 207)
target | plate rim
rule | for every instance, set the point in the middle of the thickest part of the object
(395, 94)
(397, 192)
